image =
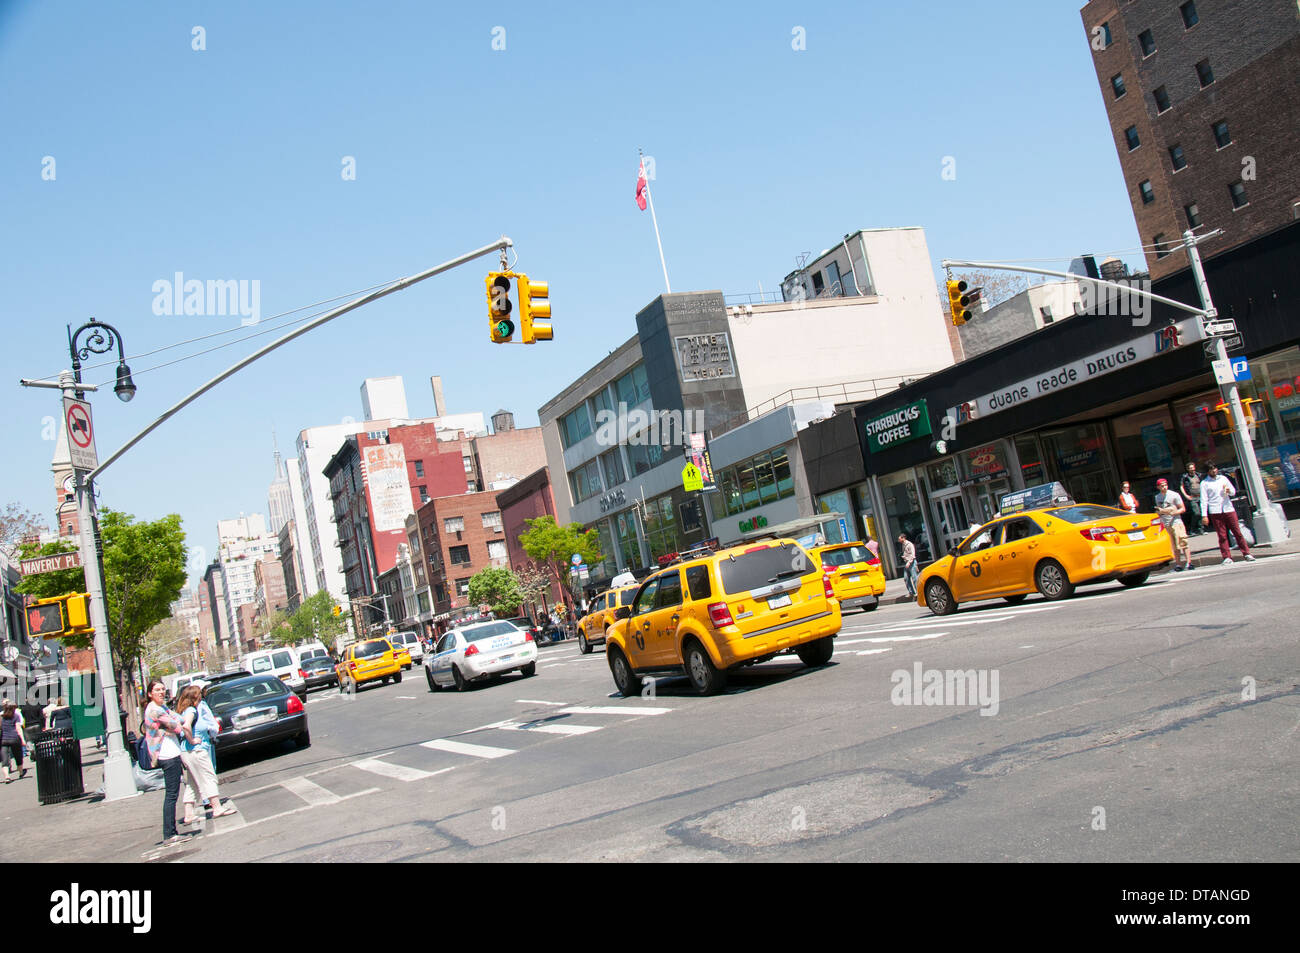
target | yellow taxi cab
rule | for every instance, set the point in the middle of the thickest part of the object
(707, 614)
(368, 661)
(854, 572)
(593, 625)
(1048, 551)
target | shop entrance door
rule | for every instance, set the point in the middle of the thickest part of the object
(950, 517)
(987, 499)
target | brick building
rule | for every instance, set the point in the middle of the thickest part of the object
(507, 455)
(459, 535)
(1203, 106)
(528, 499)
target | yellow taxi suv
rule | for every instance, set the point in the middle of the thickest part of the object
(593, 626)
(1048, 551)
(710, 614)
(854, 572)
(368, 661)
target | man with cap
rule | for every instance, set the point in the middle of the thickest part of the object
(1170, 506)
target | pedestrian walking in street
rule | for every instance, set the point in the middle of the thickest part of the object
(163, 729)
(1216, 504)
(12, 740)
(910, 568)
(1171, 507)
(1127, 501)
(1191, 487)
(197, 753)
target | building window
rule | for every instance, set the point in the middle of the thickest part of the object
(1105, 34)
(424, 494)
(1117, 85)
(1161, 249)
(1221, 136)
(462, 586)
(1193, 215)
(1161, 96)
(640, 457)
(1238, 192)
(1046, 312)
(1204, 73)
(601, 401)
(419, 468)
(492, 520)
(454, 524)
(612, 464)
(749, 483)
(1147, 42)
(459, 555)
(819, 284)
(1148, 193)
(575, 426)
(1177, 158)
(1131, 137)
(497, 549)
(1188, 10)
(633, 387)
(585, 482)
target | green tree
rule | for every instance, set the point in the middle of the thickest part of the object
(315, 619)
(498, 588)
(276, 628)
(144, 571)
(554, 546)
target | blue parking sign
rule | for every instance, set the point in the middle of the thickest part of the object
(1240, 369)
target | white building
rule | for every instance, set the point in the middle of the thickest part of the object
(383, 397)
(242, 542)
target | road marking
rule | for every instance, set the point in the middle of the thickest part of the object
(538, 701)
(409, 698)
(612, 710)
(549, 729)
(461, 747)
(310, 791)
(398, 771)
(874, 651)
(909, 638)
(297, 810)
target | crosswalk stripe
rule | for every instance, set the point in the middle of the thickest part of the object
(549, 729)
(398, 771)
(612, 710)
(538, 701)
(874, 651)
(461, 747)
(310, 791)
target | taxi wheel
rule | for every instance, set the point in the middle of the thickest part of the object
(816, 653)
(1014, 600)
(529, 670)
(626, 681)
(583, 644)
(384, 680)
(1134, 580)
(1052, 580)
(870, 607)
(459, 679)
(397, 679)
(938, 599)
(428, 673)
(703, 674)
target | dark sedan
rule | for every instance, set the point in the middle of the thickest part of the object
(320, 672)
(256, 710)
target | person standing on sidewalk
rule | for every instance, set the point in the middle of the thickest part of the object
(1191, 487)
(12, 740)
(1170, 506)
(910, 569)
(1216, 505)
(1127, 501)
(162, 726)
(199, 723)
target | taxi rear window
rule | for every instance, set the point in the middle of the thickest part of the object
(1087, 513)
(372, 649)
(764, 567)
(845, 555)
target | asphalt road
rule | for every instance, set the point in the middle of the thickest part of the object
(1159, 723)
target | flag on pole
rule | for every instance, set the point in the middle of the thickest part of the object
(641, 186)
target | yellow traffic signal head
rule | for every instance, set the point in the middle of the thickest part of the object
(500, 327)
(955, 304)
(78, 612)
(534, 310)
(45, 618)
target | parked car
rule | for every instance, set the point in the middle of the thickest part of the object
(411, 642)
(256, 710)
(472, 652)
(320, 672)
(209, 680)
(282, 663)
(368, 661)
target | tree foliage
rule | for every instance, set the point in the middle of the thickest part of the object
(496, 587)
(314, 619)
(552, 545)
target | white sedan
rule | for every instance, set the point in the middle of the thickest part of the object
(471, 652)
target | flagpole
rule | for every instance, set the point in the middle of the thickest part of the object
(655, 220)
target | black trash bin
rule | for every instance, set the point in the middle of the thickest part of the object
(57, 754)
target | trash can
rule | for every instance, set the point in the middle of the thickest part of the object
(57, 755)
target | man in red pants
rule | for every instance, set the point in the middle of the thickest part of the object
(1216, 505)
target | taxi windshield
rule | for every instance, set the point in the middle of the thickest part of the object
(1086, 513)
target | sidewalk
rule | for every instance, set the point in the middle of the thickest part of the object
(1204, 552)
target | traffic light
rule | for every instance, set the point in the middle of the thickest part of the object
(45, 618)
(534, 310)
(78, 612)
(961, 301)
(500, 326)
(337, 611)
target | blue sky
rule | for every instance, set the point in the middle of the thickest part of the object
(225, 163)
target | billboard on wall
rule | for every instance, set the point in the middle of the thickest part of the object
(390, 490)
(698, 454)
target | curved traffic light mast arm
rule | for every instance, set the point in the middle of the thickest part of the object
(502, 243)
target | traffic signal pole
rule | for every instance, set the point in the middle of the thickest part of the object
(1269, 528)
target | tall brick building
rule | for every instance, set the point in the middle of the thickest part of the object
(528, 499)
(1204, 101)
(459, 535)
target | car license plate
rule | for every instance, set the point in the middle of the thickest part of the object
(255, 718)
(852, 578)
(1137, 536)
(779, 602)
(505, 658)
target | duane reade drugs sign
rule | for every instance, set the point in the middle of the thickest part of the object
(897, 426)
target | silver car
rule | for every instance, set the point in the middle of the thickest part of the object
(471, 652)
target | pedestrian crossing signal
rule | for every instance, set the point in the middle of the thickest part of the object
(45, 619)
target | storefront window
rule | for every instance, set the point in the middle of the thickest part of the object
(609, 565)
(1076, 457)
(1144, 445)
(1032, 470)
(943, 474)
(661, 531)
(748, 485)
(629, 548)
(905, 515)
(781, 465)
(766, 477)
(987, 463)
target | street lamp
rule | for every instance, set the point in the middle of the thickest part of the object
(102, 339)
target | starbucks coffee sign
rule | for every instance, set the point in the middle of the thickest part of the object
(897, 426)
